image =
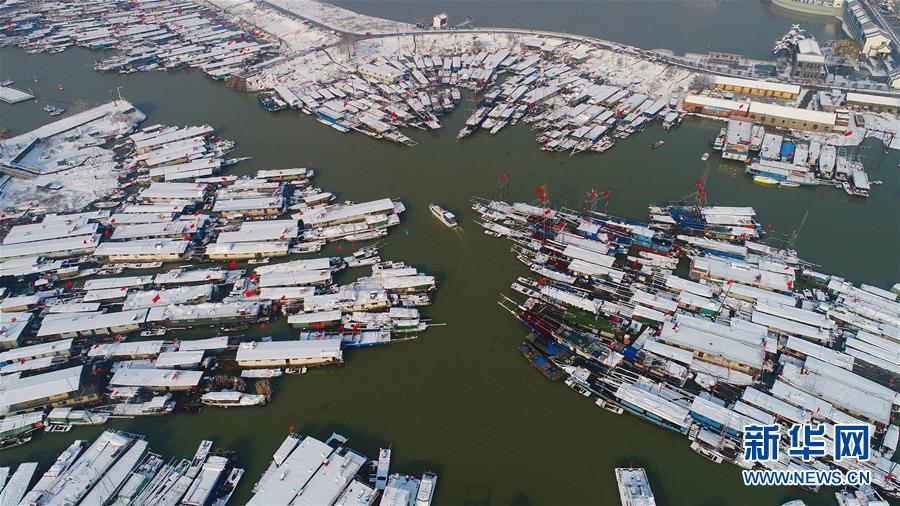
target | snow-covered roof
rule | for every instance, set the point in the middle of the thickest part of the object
(155, 379)
(83, 322)
(147, 248)
(287, 350)
(40, 386)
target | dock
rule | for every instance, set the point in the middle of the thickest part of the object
(11, 95)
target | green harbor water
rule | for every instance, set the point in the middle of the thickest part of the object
(460, 400)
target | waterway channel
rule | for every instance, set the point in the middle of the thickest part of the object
(460, 400)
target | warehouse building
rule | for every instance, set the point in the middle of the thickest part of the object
(873, 102)
(792, 117)
(382, 73)
(755, 87)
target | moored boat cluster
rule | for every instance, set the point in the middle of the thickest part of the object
(119, 468)
(550, 87)
(691, 322)
(148, 35)
(305, 470)
(776, 159)
(94, 303)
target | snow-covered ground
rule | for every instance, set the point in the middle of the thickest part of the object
(883, 126)
(296, 34)
(340, 19)
(68, 154)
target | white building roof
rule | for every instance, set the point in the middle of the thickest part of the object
(63, 247)
(248, 204)
(794, 113)
(155, 378)
(159, 298)
(774, 405)
(281, 484)
(711, 344)
(58, 348)
(86, 322)
(207, 310)
(863, 98)
(256, 351)
(181, 358)
(126, 349)
(148, 248)
(269, 230)
(247, 248)
(117, 282)
(346, 212)
(12, 324)
(47, 230)
(211, 343)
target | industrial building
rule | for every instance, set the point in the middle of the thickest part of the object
(755, 87)
(383, 73)
(792, 117)
(759, 112)
(873, 102)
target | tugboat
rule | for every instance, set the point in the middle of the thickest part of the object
(446, 217)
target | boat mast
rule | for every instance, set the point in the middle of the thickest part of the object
(796, 234)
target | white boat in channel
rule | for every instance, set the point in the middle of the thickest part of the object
(446, 217)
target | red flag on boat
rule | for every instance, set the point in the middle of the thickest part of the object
(69, 286)
(848, 133)
(232, 264)
(250, 293)
(699, 182)
(156, 298)
(252, 276)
